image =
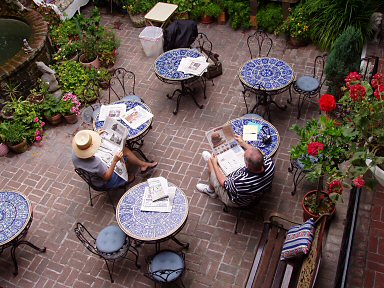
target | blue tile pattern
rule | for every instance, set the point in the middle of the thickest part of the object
(271, 73)
(167, 63)
(268, 149)
(150, 226)
(15, 212)
(132, 133)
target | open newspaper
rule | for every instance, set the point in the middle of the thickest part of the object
(113, 111)
(164, 200)
(136, 117)
(112, 142)
(195, 66)
(230, 155)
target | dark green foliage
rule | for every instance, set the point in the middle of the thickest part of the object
(330, 18)
(239, 13)
(270, 17)
(140, 6)
(344, 58)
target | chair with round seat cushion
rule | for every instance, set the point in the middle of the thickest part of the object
(309, 86)
(122, 86)
(111, 244)
(166, 266)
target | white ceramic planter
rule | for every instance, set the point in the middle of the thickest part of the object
(378, 172)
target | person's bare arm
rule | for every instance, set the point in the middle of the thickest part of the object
(242, 143)
(108, 174)
(219, 174)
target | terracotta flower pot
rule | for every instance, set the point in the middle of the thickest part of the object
(205, 19)
(19, 148)
(295, 42)
(95, 63)
(71, 119)
(222, 19)
(55, 119)
(308, 214)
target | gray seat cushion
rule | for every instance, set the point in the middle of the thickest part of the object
(167, 260)
(307, 83)
(256, 116)
(111, 239)
(132, 98)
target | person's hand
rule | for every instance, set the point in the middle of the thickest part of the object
(118, 157)
(239, 140)
(214, 160)
(101, 131)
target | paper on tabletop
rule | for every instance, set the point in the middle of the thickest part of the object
(113, 111)
(136, 117)
(164, 205)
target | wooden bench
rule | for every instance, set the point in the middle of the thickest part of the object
(267, 268)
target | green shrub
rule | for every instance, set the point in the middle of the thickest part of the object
(344, 57)
(239, 13)
(270, 17)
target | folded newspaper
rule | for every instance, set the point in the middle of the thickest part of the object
(136, 117)
(113, 111)
(195, 66)
(158, 189)
(112, 142)
(230, 155)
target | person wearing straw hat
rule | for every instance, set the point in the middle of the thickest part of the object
(84, 146)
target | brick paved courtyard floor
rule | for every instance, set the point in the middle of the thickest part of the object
(216, 256)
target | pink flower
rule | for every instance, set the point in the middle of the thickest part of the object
(36, 120)
(37, 133)
(358, 182)
(314, 148)
(38, 138)
(42, 124)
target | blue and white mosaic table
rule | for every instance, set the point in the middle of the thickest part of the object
(15, 214)
(268, 149)
(132, 133)
(271, 73)
(167, 63)
(150, 226)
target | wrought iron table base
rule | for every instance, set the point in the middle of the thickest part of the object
(185, 91)
(13, 252)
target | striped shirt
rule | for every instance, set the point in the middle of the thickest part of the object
(244, 187)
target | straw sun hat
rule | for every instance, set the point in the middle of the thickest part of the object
(85, 143)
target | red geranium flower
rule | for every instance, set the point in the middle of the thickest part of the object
(379, 92)
(327, 103)
(378, 79)
(336, 186)
(314, 148)
(357, 92)
(351, 78)
(358, 182)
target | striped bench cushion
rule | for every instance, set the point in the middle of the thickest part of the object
(298, 240)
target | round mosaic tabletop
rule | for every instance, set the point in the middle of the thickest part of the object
(167, 63)
(132, 133)
(270, 73)
(15, 213)
(150, 226)
(266, 129)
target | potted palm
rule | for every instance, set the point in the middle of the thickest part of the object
(89, 47)
(322, 147)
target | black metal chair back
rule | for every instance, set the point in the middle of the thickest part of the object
(259, 44)
(318, 68)
(86, 238)
(121, 84)
(90, 179)
(203, 44)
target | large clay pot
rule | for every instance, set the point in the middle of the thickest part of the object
(71, 119)
(95, 63)
(222, 19)
(295, 42)
(55, 119)
(19, 148)
(307, 214)
(205, 19)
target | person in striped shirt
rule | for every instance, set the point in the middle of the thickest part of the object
(243, 186)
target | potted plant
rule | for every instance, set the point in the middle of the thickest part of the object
(108, 49)
(70, 108)
(322, 147)
(364, 103)
(206, 11)
(89, 48)
(296, 26)
(38, 94)
(13, 133)
(50, 108)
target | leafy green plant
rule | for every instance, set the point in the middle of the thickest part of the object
(239, 13)
(67, 51)
(184, 6)
(66, 31)
(329, 19)
(344, 57)
(296, 25)
(50, 106)
(270, 17)
(206, 8)
(139, 6)
(12, 132)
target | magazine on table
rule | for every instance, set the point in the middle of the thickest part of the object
(195, 66)
(112, 142)
(158, 196)
(230, 155)
(113, 111)
(251, 131)
(136, 117)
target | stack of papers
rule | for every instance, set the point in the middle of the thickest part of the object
(114, 111)
(136, 117)
(250, 131)
(158, 197)
(195, 66)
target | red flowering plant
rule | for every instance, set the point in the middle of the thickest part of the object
(365, 105)
(321, 148)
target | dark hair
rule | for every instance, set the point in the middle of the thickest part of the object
(255, 159)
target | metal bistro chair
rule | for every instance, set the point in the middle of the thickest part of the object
(309, 86)
(122, 85)
(111, 244)
(90, 179)
(166, 266)
(259, 44)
